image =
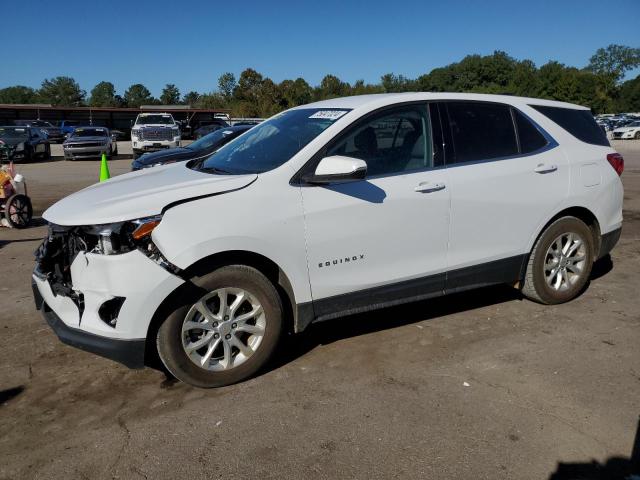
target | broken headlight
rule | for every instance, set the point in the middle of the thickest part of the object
(122, 237)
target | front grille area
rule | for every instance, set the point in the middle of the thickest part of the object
(155, 133)
(617, 134)
(85, 145)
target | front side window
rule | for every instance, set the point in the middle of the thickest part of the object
(270, 144)
(480, 131)
(392, 142)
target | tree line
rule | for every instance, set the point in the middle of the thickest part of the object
(599, 85)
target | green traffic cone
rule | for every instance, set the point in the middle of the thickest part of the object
(104, 169)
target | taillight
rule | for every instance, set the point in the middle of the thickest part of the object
(617, 162)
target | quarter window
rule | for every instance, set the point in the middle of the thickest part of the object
(391, 142)
(579, 123)
(481, 131)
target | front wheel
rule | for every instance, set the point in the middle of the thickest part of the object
(560, 263)
(637, 135)
(225, 335)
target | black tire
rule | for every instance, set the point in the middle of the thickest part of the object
(169, 340)
(535, 286)
(136, 155)
(47, 153)
(637, 135)
(18, 211)
(115, 150)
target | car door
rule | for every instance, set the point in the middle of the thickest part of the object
(381, 240)
(506, 178)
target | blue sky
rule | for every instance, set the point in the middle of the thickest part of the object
(190, 43)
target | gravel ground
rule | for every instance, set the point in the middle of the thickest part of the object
(480, 385)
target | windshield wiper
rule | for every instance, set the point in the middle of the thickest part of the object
(215, 170)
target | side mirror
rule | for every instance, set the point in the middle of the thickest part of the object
(337, 169)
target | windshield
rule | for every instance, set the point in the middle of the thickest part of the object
(155, 120)
(215, 139)
(40, 123)
(13, 132)
(634, 124)
(270, 144)
(89, 132)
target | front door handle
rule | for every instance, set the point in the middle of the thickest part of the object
(542, 168)
(428, 187)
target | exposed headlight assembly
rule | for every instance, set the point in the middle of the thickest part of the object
(123, 237)
(20, 147)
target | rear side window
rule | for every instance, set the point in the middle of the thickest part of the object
(530, 138)
(481, 131)
(579, 123)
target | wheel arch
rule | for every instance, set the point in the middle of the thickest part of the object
(264, 265)
(582, 213)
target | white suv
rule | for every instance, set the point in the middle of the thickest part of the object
(154, 131)
(328, 209)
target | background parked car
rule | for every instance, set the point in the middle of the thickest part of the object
(630, 130)
(87, 142)
(24, 143)
(54, 134)
(200, 148)
(208, 126)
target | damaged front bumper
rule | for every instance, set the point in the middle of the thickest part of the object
(100, 303)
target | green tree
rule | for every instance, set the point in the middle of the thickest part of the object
(136, 95)
(614, 61)
(629, 96)
(331, 87)
(392, 83)
(191, 98)
(227, 84)
(103, 95)
(170, 95)
(295, 92)
(63, 91)
(248, 86)
(18, 94)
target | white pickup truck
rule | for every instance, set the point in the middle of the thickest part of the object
(154, 131)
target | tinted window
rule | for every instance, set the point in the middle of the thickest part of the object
(530, 138)
(392, 142)
(481, 131)
(579, 123)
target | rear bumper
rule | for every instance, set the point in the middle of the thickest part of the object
(126, 352)
(608, 241)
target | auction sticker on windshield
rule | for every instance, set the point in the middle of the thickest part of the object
(329, 114)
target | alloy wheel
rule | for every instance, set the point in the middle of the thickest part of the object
(565, 261)
(223, 329)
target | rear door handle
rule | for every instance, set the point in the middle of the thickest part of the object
(542, 168)
(428, 187)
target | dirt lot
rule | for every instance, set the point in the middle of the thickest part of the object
(481, 385)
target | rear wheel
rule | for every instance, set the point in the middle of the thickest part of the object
(560, 263)
(225, 335)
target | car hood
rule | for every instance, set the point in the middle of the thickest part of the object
(626, 129)
(97, 138)
(13, 141)
(175, 154)
(140, 194)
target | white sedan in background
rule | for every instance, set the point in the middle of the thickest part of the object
(628, 131)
